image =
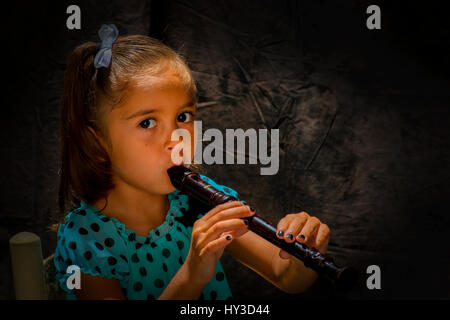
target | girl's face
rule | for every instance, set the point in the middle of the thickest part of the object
(140, 133)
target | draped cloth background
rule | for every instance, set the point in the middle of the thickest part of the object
(363, 119)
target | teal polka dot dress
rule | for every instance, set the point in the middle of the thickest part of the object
(144, 266)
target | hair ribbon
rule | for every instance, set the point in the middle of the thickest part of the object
(108, 33)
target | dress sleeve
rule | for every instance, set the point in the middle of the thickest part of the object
(93, 244)
(222, 188)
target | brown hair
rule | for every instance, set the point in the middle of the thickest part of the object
(85, 167)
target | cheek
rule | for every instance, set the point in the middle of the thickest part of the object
(192, 141)
(134, 155)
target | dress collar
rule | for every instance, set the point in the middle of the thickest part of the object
(178, 203)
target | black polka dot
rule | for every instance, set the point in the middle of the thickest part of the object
(99, 246)
(180, 244)
(159, 283)
(87, 255)
(138, 245)
(68, 261)
(171, 223)
(63, 241)
(135, 258)
(95, 227)
(149, 257)
(81, 212)
(132, 237)
(124, 258)
(112, 261)
(157, 233)
(153, 244)
(168, 237)
(59, 258)
(105, 219)
(113, 271)
(220, 276)
(180, 261)
(151, 297)
(137, 286)
(109, 242)
(142, 271)
(98, 269)
(178, 228)
(147, 241)
(213, 295)
(166, 252)
(164, 267)
(83, 231)
(70, 225)
(72, 245)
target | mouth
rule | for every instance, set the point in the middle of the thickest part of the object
(178, 165)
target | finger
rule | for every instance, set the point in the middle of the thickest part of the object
(323, 236)
(220, 227)
(294, 227)
(236, 233)
(221, 207)
(308, 233)
(216, 245)
(283, 225)
(230, 213)
(284, 255)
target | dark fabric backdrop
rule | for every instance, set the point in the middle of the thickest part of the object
(363, 118)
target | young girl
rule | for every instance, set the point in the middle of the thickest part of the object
(129, 231)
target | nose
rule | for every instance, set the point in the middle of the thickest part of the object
(173, 146)
(170, 144)
(180, 149)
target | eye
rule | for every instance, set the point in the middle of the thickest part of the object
(182, 116)
(147, 123)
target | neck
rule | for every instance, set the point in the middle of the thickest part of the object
(139, 210)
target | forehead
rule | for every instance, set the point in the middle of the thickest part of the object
(163, 93)
(168, 81)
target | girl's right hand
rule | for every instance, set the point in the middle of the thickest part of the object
(210, 235)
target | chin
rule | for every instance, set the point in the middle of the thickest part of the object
(168, 186)
(171, 189)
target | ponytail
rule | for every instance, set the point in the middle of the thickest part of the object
(81, 173)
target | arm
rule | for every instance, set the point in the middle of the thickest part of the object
(261, 256)
(182, 287)
(278, 267)
(99, 288)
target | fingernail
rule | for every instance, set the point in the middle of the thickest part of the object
(228, 237)
(302, 236)
(280, 233)
(290, 236)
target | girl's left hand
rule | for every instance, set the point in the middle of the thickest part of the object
(305, 229)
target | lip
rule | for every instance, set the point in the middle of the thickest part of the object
(176, 165)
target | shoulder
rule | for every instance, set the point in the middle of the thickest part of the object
(86, 225)
(92, 242)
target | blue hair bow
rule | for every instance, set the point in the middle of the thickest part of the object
(108, 33)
